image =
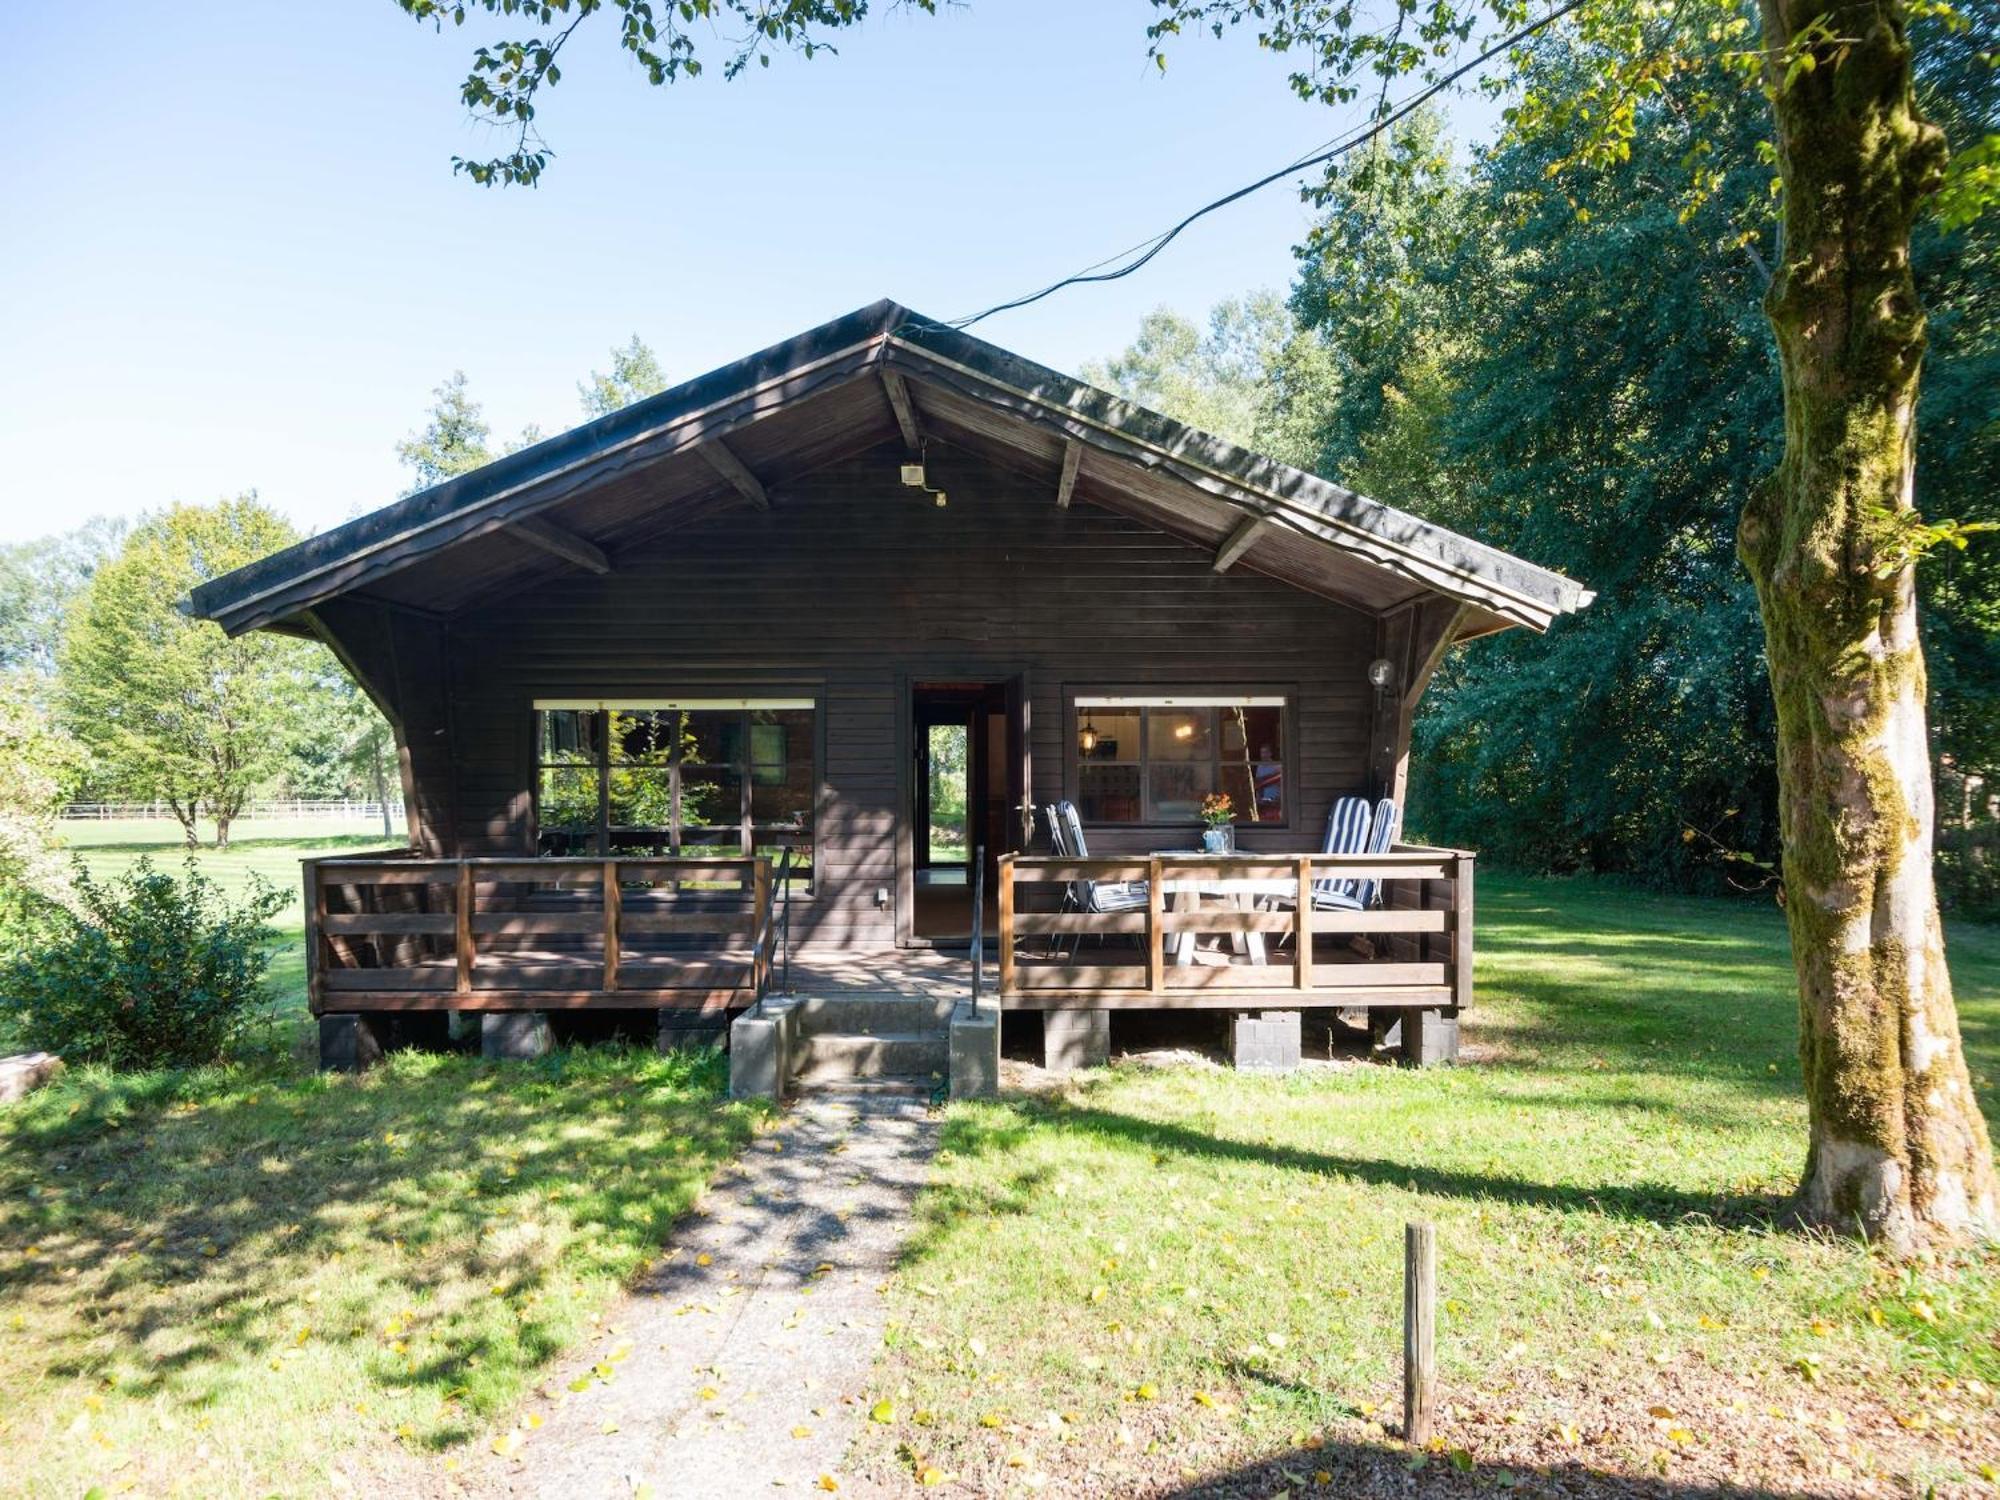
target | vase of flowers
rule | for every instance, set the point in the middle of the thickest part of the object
(1218, 814)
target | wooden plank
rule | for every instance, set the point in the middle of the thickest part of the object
(760, 905)
(370, 872)
(718, 923)
(1381, 920)
(537, 923)
(904, 408)
(1238, 542)
(1403, 997)
(352, 981)
(1072, 463)
(463, 948)
(1367, 975)
(1226, 920)
(1048, 924)
(1156, 946)
(1302, 947)
(1461, 950)
(1184, 977)
(313, 896)
(1007, 923)
(1044, 870)
(388, 923)
(725, 462)
(691, 999)
(554, 874)
(613, 938)
(1079, 977)
(539, 531)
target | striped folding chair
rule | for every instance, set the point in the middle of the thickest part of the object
(1066, 838)
(1349, 829)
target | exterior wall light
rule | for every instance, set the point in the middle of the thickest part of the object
(1381, 673)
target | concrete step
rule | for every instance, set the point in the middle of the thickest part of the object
(823, 1015)
(840, 1057)
(871, 1088)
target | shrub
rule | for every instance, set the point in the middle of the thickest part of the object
(144, 970)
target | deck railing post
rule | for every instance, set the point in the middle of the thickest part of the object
(978, 923)
(461, 942)
(1302, 927)
(760, 925)
(614, 923)
(1461, 931)
(1006, 924)
(1156, 953)
(315, 908)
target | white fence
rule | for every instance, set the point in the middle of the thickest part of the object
(331, 809)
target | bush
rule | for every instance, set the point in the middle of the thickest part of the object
(145, 970)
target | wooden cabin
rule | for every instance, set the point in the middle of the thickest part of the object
(667, 691)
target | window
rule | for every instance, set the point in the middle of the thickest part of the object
(724, 776)
(1153, 760)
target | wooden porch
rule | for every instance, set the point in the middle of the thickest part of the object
(1271, 947)
(396, 932)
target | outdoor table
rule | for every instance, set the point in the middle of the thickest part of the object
(1241, 891)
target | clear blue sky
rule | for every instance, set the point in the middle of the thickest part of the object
(234, 255)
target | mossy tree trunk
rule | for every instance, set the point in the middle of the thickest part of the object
(1898, 1147)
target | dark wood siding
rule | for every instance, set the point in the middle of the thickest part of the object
(852, 585)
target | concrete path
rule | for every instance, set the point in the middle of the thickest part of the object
(740, 1364)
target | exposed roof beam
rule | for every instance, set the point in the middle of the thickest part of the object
(1072, 461)
(904, 407)
(1240, 541)
(733, 469)
(564, 544)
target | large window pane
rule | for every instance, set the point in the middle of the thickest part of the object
(1108, 793)
(1177, 788)
(568, 736)
(1180, 734)
(642, 737)
(712, 798)
(712, 737)
(642, 797)
(1112, 733)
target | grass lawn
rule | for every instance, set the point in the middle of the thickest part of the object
(259, 1280)
(1184, 1280)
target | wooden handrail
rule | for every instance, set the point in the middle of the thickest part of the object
(1422, 931)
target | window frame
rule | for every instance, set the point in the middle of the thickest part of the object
(748, 834)
(1124, 697)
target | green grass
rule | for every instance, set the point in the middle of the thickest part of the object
(1154, 1276)
(238, 1281)
(224, 1282)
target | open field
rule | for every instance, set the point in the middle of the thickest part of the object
(1158, 1280)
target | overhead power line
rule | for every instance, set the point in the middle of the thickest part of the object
(1143, 252)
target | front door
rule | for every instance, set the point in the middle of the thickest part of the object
(966, 796)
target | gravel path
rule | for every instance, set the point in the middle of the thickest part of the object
(740, 1363)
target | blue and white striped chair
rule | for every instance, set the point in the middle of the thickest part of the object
(1349, 830)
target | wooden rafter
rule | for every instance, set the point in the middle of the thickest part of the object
(565, 544)
(1240, 541)
(1072, 461)
(904, 407)
(733, 469)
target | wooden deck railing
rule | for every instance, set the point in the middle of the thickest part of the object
(393, 931)
(1419, 937)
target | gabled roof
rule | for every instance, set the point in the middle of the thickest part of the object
(735, 434)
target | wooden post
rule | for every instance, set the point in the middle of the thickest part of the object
(1461, 936)
(1156, 954)
(614, 900)
(462, 923)
(1006, 924)
(1419, 1332)
(1302, 928)
(315, 906)
(760, 900)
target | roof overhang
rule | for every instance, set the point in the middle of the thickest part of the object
(851, 384)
